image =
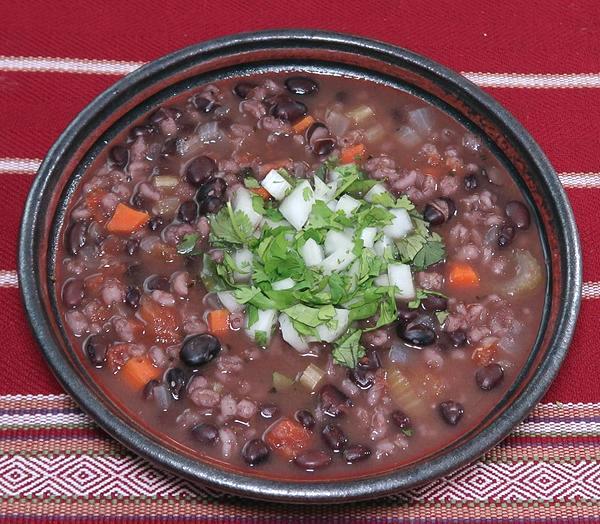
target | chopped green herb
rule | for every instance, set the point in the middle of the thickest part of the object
(251, 183)
(347, 351)
(260, 337)
(187, 245)
(442, 316)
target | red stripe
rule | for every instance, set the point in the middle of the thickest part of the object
(466, 36)
(12, 200)
(585, 207)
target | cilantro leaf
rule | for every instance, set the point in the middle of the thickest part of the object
(360, 188)
(384, 199)
(347, 351)
(251, 182)
(187, 245)
(260, 337)
(258, 204)
(431, 253)
(229, 227)
(441, 316)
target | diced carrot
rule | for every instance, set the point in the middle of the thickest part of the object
(126, 220)
(161, 322)
(303, 124)
(287, 437)
(138, 371)
(261, 192)
(462, 274)
(93, 201)
(352, 153)
(484, 355)
(218, 320)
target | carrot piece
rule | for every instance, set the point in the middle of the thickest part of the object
(352, 153)
(218, 320)
(484, 355)
(138, 371)
(463, 275)
(261, 192)
(126, 220)
(162, 323)
(287, 437)
(303, 124)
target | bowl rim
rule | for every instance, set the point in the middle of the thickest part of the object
(274, 490)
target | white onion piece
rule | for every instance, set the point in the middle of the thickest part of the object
(347, 204)
(384, 245)
(312, 253)
(361, 114)
(338, 241)
(421, 119)
(290, 335)
(323, 191)
(408, 137)
(243, 261)
(337, 261)
(276, 185)
(382, 281)
(286, 283)
(165, 181)
(401, 224)
(332, 204)
(330, 334)
(374, 133)
(208, 132)
(265, 322)
(242, 201)
(228, 300)
(399, 275)
(377, 189)
(297, 205)
(368, 235)
(337, 123)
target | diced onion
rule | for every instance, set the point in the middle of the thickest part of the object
(384, 245)
(368, 235)
(323, 191)
(374, 133)
(165, 181)
(297, 205)
(377, 189)
(408, 137)
(286, 283)
(311, 377)
(243, 261)
(281, 382)
(330, 334)
(228, 300)
(361, 114)
(290, 335)
(264, 323)
(401, 224)
(337, 123)
(312, 253)
(402, 392)
(337, 261)
(242, 201)
(276, 185)
(399, 275)
(332, 204)
(347, 204)
(337, 241)
(166, 207)
(422, 120)
(382, 281)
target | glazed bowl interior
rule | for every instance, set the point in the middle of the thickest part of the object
(330, 54)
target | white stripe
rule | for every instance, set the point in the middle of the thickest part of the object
(45, 419)
(29, 166)
(535, 81)
(590, 290)
(8, 278)
(67, 65)
(121, 67)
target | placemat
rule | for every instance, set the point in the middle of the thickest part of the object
(540, 59)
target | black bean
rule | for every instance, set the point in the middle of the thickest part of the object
(268, 411)
(203, 104)
(287, 109)
(458, 338)
(188, 211)
(205, 433)
(489, 377)
(131, 246)
(470, 182)
(407, 315)
(334, 437)
(333, 401)
(439, 211)
(255, 452)
(416, 334)
(155, 223)
(324, 146)
(198, 350)
(200, 170)
(175, 380)
(242, 89)
(518, 214)
(76, 237)
(162, 113)
(451, 412)
(305, 418)
(159, 282)
(301, 85)
(362, 378)
(356, 453)
(401, 420)
(137, 201)
(215, 187)
(169, 148)
(133, 296)
(210, 205)
(506, 235)
(316, 131)
(313, 459)
(435, 303)
(95, 349)
(148, 391)
(119, 156)
(73, 292)
(133, 274)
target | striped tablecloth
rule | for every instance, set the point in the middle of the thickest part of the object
(540, 59)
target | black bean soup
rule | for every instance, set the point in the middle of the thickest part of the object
(302, 276)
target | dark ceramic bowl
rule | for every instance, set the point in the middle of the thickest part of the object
(321, 52)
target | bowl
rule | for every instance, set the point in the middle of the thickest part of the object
(315, 51)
